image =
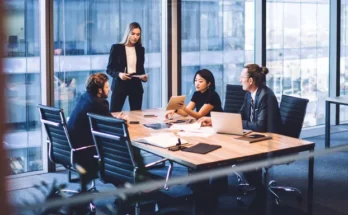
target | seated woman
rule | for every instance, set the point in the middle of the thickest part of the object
(205, 99)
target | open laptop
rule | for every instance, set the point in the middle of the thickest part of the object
(228, 123)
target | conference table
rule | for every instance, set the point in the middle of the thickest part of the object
(232, 152)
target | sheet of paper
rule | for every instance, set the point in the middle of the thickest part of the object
(193, 134)
(163, 140)
(186, 127)
(138, 76)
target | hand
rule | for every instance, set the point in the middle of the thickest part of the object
(181, 106)
(124, 76)
(206, 121)
(144, 78)
(169, 114)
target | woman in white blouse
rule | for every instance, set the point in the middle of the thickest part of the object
(126, 66)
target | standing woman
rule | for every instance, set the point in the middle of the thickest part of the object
(126, 66)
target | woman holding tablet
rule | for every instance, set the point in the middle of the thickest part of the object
(204, 100)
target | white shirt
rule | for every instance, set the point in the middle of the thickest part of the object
(253, 95)
(131, 60)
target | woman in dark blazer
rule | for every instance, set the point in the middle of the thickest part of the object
(126, 66)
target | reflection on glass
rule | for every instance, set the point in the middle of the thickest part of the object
(297, 53)
(344, 58)
(217, 35)
(22, 74)
(83, 34)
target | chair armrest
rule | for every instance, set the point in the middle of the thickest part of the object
(156, 162)
(82, 148)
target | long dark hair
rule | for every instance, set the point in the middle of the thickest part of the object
(208, 76)
(257, 73)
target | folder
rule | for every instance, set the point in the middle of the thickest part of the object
(202, 148)
(252, 138)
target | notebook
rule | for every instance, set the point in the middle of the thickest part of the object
(157, 126)
(252, 138)
(202, 148)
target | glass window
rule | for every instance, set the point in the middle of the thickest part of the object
(344, 59)
(297, 53)
(23, 92)
(217, 35)
(83, 34)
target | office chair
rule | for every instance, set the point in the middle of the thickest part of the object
(292, 114)
(234, 98)
(119, 162)
(61, 150)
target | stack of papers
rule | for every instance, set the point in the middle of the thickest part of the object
(163, 140)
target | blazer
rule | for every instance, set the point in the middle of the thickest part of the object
(266, 113)
(78, 123)
(118, 63)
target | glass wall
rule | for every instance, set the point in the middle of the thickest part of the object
(297, 52)
(83, 34)
(23, 92)
(344, 58)
(217, 35)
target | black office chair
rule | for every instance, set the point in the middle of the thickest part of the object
(119, 162)
(61, 150)
(292, 113)
(234, 98)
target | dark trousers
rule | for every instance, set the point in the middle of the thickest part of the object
(118, 99)
(254, 178)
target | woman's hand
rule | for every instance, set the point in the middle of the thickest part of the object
(182, 106)
(206, 121)
(169, 114)
(143, 77)
(124, 76)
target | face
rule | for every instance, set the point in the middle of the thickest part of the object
(245, 80)
(201, 84)
(105, 91)
(134, 36)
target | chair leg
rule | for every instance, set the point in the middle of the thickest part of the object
(92, 188)
(70, 179)
(169, 173)
(137, 208)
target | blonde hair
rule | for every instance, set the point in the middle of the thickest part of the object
(128, 30)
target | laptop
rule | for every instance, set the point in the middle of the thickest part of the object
(228, 123)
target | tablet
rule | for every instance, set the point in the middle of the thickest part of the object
(174, 101)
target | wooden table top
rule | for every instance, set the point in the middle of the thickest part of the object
(232, 151)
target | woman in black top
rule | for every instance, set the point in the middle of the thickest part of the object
(126, 60)
(204, 100)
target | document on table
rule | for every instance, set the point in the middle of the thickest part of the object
(186, 127)
(163, 140)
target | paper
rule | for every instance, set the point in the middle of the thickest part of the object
(163, 140)
(138, 76)
(186, 127)
(193, 134)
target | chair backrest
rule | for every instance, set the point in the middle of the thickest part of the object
(116, 157)
(292, 114)
(60, 149)
(234, 98)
